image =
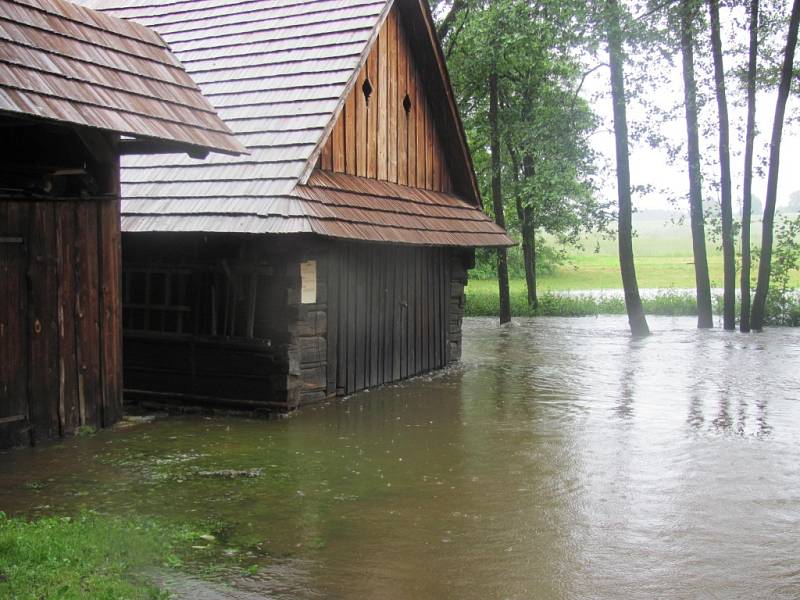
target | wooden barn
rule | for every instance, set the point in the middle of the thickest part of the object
(77, 90)
(331, 259)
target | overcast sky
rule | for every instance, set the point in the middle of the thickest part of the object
(651, 166)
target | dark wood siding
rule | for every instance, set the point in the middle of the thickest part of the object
(377, 137)
(389, 312)
(59, 330)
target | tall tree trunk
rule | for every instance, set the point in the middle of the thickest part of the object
(529, 251)
(497, 198)
(765, 262)
(527, 223)
(633, 302)
(705, 317)
(529, 238)
(747, 188)
(728, 253)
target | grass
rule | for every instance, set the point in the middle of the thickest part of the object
(483, 301)
(663, 261)
(86, 557)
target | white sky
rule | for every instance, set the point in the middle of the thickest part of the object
(651, 166)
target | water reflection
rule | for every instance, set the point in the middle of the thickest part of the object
(561, 459)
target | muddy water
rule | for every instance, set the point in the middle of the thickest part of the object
(561, 459)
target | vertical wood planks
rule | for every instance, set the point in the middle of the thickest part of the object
(350, 140)
(334, 269)
(372, 117)
(43, 323)
(110, 310)
(13, 323)
(86, 344)
(394, 100)
(360, 139)
(377, 138)
(383, 104)
(402, 117)
(66, 231)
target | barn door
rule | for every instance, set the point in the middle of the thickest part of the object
(391, 311)
(13, 353)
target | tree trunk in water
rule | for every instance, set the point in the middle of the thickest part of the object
(747, 188)
(529, 250)
(529, 239)
(633, 302)
(527, 226)
(765, 262)
(705, 317)
(497, 199)
(728, 253)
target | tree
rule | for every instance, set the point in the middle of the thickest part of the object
(497, 197)
(729, 302)
(747, 194)
(633, 302)
(687, 15)
(764, 264)
(545, 161)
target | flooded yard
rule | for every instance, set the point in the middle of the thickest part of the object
(560, 459)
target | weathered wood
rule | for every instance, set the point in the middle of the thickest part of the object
(13, 326)
(88, 314)
(43, 324)
(393, 99)
(411, 122)
(360, 103)
(378, 138)
(372, 116)
(350, 140)
(110, 310)
(334, 269)
(421, 133)
(402, 117)
(69, 415)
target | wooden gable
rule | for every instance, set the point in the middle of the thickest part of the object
(387, 129)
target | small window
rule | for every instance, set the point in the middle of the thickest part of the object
(407, 104)
(367, 89)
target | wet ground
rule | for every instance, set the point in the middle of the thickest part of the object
(561, 459)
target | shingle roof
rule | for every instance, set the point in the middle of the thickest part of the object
(278, 72)
(67, 63)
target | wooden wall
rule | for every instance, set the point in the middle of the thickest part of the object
(60, 328)
(391, 314)
(378, 138)
(239, 361)
(380, 313)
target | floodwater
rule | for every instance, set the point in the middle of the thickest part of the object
(561, 459)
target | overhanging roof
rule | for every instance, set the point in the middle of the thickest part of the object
(278, 72)
(69, 64)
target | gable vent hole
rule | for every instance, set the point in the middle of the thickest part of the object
(367, 89)
(407, 104)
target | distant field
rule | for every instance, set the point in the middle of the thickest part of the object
(664, 260)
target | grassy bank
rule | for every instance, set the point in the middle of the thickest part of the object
(483, 301)
(86, 557)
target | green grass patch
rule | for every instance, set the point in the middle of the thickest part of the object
(483, 301)
(86, 557)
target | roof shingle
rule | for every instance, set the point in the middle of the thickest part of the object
(279, 71)
(63, 62)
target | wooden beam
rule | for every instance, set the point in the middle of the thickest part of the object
(127, 147)
(14, 419)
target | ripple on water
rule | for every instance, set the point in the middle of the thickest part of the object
(560, 459)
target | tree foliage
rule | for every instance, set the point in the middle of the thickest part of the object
(547, 164)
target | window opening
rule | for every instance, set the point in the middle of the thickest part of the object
(407, 104)
(367, 89)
